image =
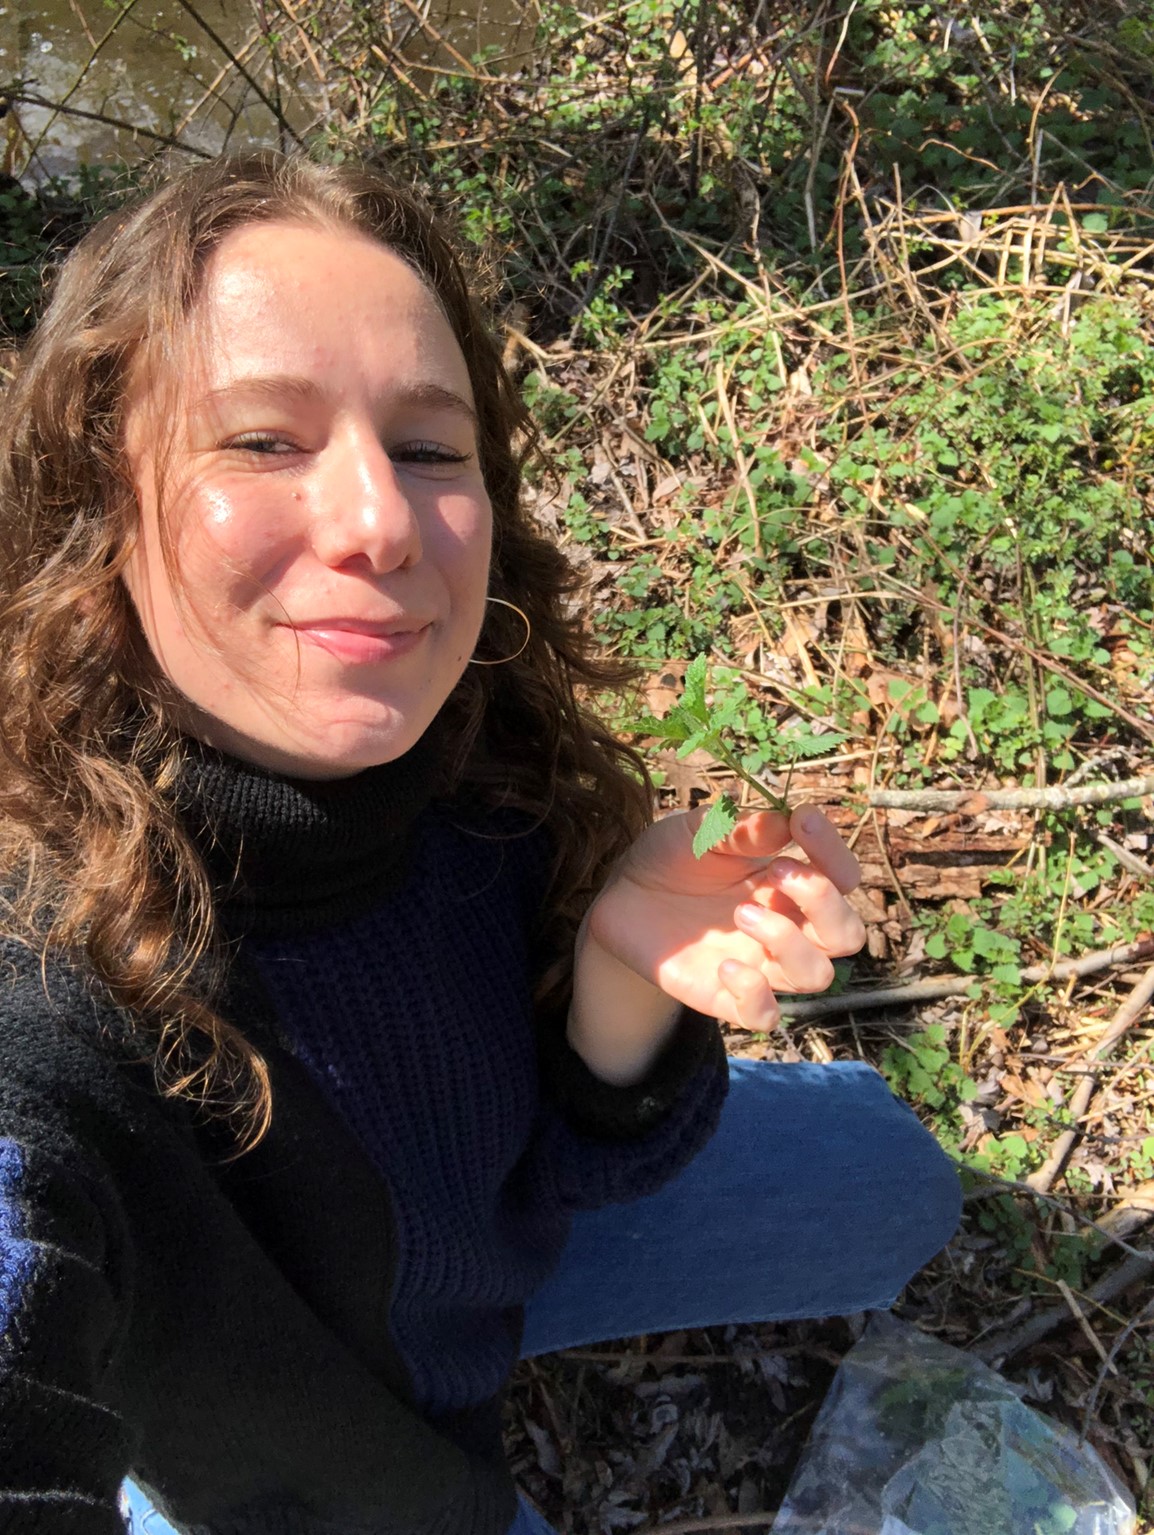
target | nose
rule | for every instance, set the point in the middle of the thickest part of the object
(364, 512)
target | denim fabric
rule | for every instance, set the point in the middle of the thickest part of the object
(529, 1522)
(820, 1194)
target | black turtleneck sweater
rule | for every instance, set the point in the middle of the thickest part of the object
(310, 1338)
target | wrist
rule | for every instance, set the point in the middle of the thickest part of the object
(618, 1021)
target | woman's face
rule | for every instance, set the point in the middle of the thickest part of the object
(330, 530)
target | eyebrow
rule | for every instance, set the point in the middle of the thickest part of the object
(276, 386)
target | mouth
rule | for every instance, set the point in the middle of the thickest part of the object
(363, 641)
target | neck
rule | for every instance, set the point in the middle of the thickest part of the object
(291, 855)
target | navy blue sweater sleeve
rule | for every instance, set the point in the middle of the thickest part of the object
(64, 1291)
(611, 1144)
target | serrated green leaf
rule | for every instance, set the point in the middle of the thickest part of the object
(1008, 975)
(717, 823)
(692, 743)
(810, 745)
(693, 698)
(674, 727)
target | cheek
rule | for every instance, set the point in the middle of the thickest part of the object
(467, 532)
(228, 551)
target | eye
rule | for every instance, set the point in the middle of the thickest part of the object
(427, 453)
(266, 444)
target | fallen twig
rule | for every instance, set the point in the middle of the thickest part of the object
(1083, 1322)
(973, 800)
(714, 1522)
(939, 987)
(1108, 1363)
(1133, 1007)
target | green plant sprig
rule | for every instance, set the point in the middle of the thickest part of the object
(690, 726)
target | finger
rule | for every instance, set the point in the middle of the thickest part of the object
(823, 913)
(820, 840)
(760, 834)
(803, 965)
(755, 1006)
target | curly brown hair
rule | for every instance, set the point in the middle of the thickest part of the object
(96, 860)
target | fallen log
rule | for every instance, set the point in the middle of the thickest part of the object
(973, 801)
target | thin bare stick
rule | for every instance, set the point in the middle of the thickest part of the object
(214, 85)
(1129, 861)
(278, 116)
(96, 48)
(33, 100)
(1083, 1322)
(1132, 1009)
(715, 1522)
(1145, 1315)
(726, 405)
(939, 987)
(1055, 798)
(426, 26)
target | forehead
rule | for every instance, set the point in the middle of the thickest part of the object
(332, 302)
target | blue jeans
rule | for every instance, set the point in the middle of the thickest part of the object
(820, 1194)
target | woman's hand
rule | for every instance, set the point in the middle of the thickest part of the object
(720, 934)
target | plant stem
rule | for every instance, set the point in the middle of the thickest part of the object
(721, 751)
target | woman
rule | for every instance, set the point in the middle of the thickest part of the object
(357, 1031)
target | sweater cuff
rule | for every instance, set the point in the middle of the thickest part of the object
(600, 1109)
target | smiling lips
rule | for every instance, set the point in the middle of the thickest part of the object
(361, 641)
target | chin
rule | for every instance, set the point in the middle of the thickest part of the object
(345, 751)
(338, 751)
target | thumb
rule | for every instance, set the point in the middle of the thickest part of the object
(759, 834)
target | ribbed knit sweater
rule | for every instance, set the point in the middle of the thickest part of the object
(310, 1339)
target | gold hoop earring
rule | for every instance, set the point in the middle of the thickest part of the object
(473, 661)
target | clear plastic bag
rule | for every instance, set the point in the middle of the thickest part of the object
(917, 1438)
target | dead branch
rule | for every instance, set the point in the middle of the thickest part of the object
(1133, 1007)
(33, 100)
(278, 116)
(974, 800)
(937, 988)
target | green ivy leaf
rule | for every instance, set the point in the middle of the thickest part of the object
(717, 823)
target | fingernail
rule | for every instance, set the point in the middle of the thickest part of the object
(807, 821)
(749, 913)
(781, 871)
